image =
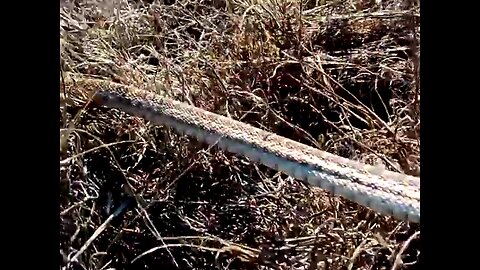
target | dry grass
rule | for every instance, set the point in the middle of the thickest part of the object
(339, 75)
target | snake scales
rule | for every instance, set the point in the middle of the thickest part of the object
(388, 193)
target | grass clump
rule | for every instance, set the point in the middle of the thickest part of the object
(342, 76)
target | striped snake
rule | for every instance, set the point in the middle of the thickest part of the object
(389, 193)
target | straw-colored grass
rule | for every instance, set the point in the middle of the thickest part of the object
(339, 75)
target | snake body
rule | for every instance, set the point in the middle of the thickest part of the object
(388, 193)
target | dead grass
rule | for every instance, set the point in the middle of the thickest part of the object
(339, 75)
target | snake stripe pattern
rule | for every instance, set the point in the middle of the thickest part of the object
(386, 192)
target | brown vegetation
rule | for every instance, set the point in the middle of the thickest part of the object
(339, 75)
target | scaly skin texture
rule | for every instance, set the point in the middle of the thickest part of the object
(386, 192)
